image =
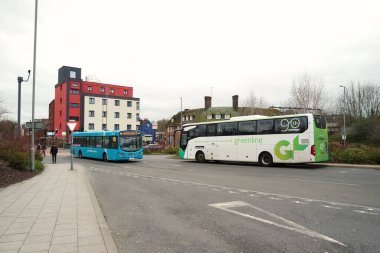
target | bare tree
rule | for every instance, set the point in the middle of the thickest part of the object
(361, 100)
(253, 104)
(307, 93)
(3, 109)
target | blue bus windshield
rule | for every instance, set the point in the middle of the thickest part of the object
(130, 143)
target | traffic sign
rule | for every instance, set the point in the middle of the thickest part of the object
(71, 125)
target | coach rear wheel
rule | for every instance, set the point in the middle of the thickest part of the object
(266, 159)
(80, 154)
(105, 158)
(200, 157)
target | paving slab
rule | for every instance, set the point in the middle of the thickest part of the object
(56, 211)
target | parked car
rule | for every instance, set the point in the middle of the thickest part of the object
(154, 147)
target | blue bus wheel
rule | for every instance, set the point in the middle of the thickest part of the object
(105, 158)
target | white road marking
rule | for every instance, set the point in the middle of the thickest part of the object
(331, 207)
(272, 198)
(232, 192)
(173, 165)
(364, 212)
(190, 183)
(298, 202)
(314, 181)
(289, 224)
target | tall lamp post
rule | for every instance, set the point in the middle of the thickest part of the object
(32, 158)
(20, 80)
(344, 115)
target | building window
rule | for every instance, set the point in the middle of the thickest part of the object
(129, 127)
(60, 113)
(137, 105)
(73, 74)
(137, 116)
(104, 114)
(92, 100)
(60, 100)
(112, 91)
(227, 116)
(218, 116)
(116, 126)
(117, 102)
(125, 92)
(104, 126)
(91, 113)
(104, 101)
(102, 90)
(138, 127)
(209, 116)
(89, 88)
(191, 117)
(74, 91)
(129, 103)
(117, 114)
(183, 118)
(74, 105)
(91, 126)
(129, 115)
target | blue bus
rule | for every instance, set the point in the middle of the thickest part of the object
(108, 145)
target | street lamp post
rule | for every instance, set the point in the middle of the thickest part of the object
(344, 115)
(20, 80)
(34, 83)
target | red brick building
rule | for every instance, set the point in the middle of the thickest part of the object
(95, 106)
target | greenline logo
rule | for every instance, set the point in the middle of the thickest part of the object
(288, 154)
(248, 140)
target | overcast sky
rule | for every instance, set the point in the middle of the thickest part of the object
(167, 49)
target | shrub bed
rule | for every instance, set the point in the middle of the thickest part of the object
(354, 153)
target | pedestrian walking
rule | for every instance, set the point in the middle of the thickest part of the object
(53, 152)
(38, 151)
(43, 149)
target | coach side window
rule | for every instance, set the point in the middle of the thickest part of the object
(200, 131)
(247, 128)
(265, 126)
(226, 129)
(211, 130)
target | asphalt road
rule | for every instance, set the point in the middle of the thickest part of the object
(160, 204)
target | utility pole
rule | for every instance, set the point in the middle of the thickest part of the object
(344, 115)
(34, 83)
(181, 113)
(20, 80)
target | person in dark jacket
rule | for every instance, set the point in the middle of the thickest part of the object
(53, 152)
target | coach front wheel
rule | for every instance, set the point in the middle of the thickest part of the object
(200, 157)
(105, 158)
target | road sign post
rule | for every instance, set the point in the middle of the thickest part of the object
(71, 126)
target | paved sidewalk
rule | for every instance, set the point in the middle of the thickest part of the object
(56, 211)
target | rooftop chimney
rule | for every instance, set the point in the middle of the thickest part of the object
(207, 102)
(235, 102)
